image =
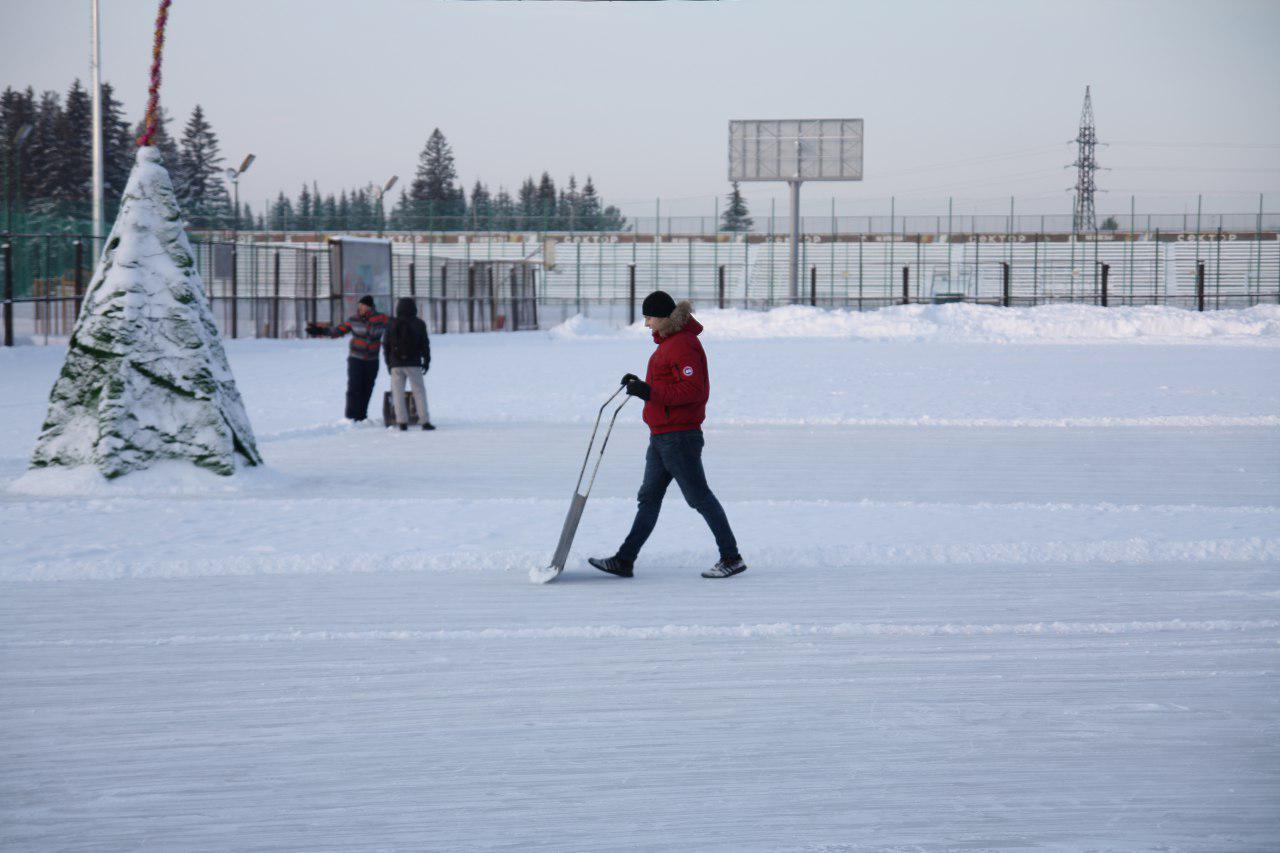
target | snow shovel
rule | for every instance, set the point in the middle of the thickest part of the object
(579, 502)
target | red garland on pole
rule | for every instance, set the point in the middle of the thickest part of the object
(153, 102)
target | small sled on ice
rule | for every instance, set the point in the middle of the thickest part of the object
(579, 502)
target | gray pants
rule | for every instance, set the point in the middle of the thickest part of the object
(413, 375)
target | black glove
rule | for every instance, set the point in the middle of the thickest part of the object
(424, 369)
(629, 377)
(636, 388)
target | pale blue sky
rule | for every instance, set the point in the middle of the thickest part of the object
(971, 99)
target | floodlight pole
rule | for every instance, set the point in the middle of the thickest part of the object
(794, 184)
(794, 274)
(95, 86)
(382, 192)
(233, 175)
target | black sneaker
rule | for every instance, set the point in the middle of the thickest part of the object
(614, 565)
(428, 425)
(403, 427)
(726, 568)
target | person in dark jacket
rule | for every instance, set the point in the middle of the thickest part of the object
(407, 350)
(675, 392)
(366, 328)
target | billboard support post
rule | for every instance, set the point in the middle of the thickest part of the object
(794, 274)
(795, 151)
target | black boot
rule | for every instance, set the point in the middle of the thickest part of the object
(403, 427)
(614, 565)
(428, 426)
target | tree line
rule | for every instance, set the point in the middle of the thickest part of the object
(46, 182)
(435, 200)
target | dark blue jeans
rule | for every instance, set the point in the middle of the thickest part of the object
(362, 375)
(677, 456)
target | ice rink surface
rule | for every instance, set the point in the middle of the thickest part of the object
(1004, 594)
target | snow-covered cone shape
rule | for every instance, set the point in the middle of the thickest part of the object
(146, 378)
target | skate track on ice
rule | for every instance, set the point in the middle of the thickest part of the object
(1000, 597)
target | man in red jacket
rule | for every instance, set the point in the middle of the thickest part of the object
(675, 391)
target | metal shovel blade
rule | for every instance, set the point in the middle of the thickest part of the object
(567, 533)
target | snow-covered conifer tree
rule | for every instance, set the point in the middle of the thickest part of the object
(146, 378)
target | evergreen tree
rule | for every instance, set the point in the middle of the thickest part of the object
(481, 207)
(304, 214)
(203, 197)
(589, 208)
(504, 211)
(17, 108)
(343, 219)
(329, 214)
(40, 168)
(547, 203)
(400, 219)
(528, 208)
(735, 216)
(282, 213)
(570, 212)
(434, 189)
(73, 170)
(118, 150)
(612, 220)
(362, 218)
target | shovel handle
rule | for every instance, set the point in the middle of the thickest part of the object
(595, 429)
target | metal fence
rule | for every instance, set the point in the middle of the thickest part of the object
(273, 284)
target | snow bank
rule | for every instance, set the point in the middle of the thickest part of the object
(580, 327)
(172, 478)
(965, 323)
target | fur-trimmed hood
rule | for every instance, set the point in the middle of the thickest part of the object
(665, 327)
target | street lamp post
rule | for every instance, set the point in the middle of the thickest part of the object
(233, 175)
(381, 193)
(18, 139)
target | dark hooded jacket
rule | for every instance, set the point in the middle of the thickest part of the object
(406, 343)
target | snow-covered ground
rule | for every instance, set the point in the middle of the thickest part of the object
(1015, 584)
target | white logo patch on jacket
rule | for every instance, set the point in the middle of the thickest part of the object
(688, 370)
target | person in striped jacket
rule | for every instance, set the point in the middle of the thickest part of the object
(367, 329)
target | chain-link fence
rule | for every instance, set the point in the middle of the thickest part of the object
(274, 284)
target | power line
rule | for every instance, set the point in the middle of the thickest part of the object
(1197, 144)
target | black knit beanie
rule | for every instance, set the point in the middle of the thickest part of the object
(366, 300)
(658, 304)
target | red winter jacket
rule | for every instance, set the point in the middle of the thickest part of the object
(678, 381)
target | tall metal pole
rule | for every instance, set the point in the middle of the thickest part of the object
(1257, 238)
(95, 86)
(10, 150)
(657, 238)
(794, 275)
(7, 251)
